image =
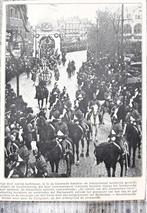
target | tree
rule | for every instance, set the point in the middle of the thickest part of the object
(104, 36)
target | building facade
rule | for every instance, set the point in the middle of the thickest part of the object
(133, 31)
(133, 24)
(74, 28)
(17, 22)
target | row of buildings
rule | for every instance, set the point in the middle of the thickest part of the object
(74, 27)
(72, 30)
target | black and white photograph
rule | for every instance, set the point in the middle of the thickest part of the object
(73, 90)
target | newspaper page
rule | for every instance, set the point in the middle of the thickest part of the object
(73, 101)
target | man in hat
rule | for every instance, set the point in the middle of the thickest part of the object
(116, 135)
(55, 89)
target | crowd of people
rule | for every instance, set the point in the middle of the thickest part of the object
(101, 89)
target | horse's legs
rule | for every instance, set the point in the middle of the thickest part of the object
(52, 165)
(108, 171)
(139, 149)
(27, 168)
(68, 163)
(73, 147)
(100, 119)
(134, 153)
(129, 158)
(121, 167)
(42, 102)
(39, 103)
(57, 165)
(77, 151)
(88, 140)
(46, 100)
(114, 169)
(82, 143)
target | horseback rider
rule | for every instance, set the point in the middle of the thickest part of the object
(55, 93)
(116, 136)
(101, 94)
(133, 117)
(63, 93)
(62, 134)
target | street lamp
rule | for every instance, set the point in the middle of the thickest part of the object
(35, 36)
(16, 49)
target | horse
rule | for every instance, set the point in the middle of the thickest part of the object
(134, 140)
(15, 167)
(53, 152)
(46, 130)
(76, 134)
(110, 154)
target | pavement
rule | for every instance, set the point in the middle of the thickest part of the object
(27, 88)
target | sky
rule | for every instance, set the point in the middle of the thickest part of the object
(51, 12)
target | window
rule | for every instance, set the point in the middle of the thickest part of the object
(11, 12)
(127, 29)
(137, 29)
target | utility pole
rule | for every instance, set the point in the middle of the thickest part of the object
(122, 37)
(97, 40)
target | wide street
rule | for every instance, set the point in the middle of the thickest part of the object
(87, 166)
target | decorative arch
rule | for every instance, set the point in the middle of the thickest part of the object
(46, 46)
(137, 29)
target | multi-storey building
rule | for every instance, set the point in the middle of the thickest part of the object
(133, 30)
(17, 21)
(74, 28)
(133, 24)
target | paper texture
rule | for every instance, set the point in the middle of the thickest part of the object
(73, 93)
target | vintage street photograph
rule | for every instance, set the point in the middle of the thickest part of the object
(73, 90)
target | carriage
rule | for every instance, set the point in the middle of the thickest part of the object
(45, 76)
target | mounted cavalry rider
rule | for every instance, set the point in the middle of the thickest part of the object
(101, 94)
(80, 120)
(116, 136)
(62, 134)
(63, 94)
(54, 95)
(133, 117)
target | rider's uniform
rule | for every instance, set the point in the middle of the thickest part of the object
(79, 119)
(116, 137)
(101, 96)
(133, 117)
(60, 126)
(62, 136)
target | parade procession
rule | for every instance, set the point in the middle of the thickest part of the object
(73, 91)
